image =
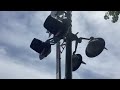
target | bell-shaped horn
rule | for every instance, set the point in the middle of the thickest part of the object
(57, 28)
(76, 61)
(40, 47)
(37, 45)
(95, 47)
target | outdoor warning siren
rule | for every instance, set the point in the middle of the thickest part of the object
(57, 28)
(95, 47)
(76, 61)
(43, 48)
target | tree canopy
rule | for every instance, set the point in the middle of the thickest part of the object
(113, 14)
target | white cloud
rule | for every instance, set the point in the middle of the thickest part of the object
(14, 70)
(2, 51)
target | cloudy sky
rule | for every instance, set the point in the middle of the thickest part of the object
(18, 61)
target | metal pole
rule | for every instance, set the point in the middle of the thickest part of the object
(58, 61)
(68, 63)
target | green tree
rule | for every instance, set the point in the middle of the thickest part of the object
(113, 14)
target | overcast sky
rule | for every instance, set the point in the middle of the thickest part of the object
(18, 61)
